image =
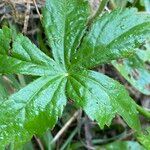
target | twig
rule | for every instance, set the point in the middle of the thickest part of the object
(101, 7)
(6, 79)
(65, 127)
(32, 32)
(36, 7)
(25, 1)
(88, 135)
(39, 143)
(26, 20)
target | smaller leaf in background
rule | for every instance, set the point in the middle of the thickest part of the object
(102, 98)
(144, 138)
(46, 139)
(122, 145)
(119, 3)
(5, 39)
(146, 3)
(142, 3)
(42, 42)
(135, 70)
(28, 146)
(144, 53)
(13, 82)
(15, 30)
(3, 91)
(8, 85)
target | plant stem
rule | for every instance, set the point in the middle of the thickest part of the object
(88, 135)
(39, 143)
(37, 9)
(143, 111)
(98, 12)
(101, 7)
(27, 16)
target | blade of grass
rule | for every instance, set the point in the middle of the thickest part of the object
(69, 139)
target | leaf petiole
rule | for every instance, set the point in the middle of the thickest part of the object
(143, 111)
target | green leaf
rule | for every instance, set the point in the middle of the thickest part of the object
(65, 22)
(13, 82)
(102, 98)
(112, 36)
(46, 140)
(5, 39)
(118, 3)
(3, 92)
(124, 145)
(144, 53)
(26, 58)
(28, 146)
(32, 110)
(146, 3)
(135, 72)
(37, 107)
(144, 138)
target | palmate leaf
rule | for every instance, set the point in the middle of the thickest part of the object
(65, 22)
(113, 36)
(102, 98)
(37, 107)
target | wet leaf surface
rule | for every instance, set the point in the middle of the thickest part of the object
(36, 107)
(26, 58)
(102, 98)
(65, 22)
(144, 138)
(135, 70)
(22, 114)
(112, 36)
